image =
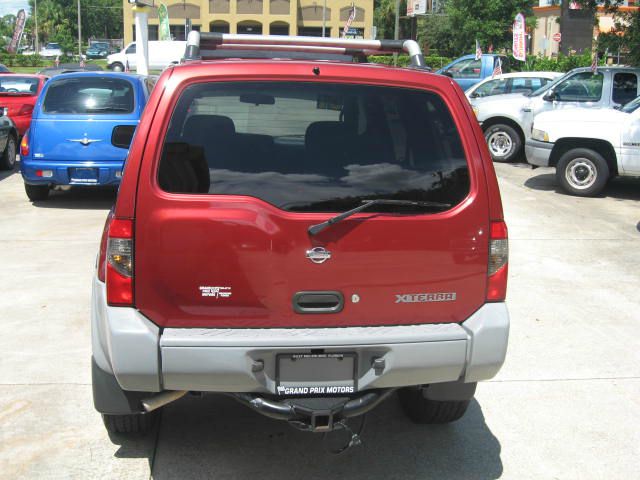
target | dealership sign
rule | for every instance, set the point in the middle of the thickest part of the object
(519, 38)
(416, 7)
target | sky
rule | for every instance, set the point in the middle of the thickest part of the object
(12, 6)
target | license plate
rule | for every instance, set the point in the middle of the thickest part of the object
(83, 175)
(316, 373)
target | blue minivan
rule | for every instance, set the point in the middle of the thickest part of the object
(81, 129)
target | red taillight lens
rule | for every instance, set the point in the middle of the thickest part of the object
(24, 145)
(26, 109)
(119, 263)
(498, 267)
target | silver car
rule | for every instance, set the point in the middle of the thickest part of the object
(507, 119)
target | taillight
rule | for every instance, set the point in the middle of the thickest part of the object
(119, 263)
(26, 109)
(24, 145)
(498, 262)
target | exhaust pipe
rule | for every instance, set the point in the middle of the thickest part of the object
(153, 403)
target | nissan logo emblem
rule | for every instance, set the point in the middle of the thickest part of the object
(318, 255)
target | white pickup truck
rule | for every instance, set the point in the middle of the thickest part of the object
(587, 147)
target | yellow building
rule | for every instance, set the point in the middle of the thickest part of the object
(273, 17)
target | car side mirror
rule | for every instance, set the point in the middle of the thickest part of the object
(4, 111)
(550, 96)
(122, 136)
(474, 95)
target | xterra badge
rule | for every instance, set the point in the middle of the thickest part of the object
(216, 292)
(426, 297)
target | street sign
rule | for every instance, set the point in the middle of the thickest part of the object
(557, 37)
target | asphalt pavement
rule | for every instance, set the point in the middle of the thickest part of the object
(566, 405)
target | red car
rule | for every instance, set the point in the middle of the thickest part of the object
(19, 93)
(306, 237)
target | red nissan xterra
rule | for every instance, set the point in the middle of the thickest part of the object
(306, 236)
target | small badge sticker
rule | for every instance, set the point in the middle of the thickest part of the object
(215, 292)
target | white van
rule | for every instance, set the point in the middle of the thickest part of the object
(161, 55)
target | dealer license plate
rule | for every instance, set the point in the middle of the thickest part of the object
(316, 373)
(83, 175)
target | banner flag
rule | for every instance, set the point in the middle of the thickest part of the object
(163, 26)
(17, 32)
(519, 38)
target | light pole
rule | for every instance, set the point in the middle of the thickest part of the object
(79, 33)
(35, 15)
(324, 17)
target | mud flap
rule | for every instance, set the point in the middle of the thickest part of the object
(109, 398)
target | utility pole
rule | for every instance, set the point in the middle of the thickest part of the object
(324, 17)
(79, 33)
(35, 15)
(396, 31)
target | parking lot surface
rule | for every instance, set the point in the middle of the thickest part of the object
(566, 404)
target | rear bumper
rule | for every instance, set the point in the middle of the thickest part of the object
(144, 358)
(109, 172)
(538, 153)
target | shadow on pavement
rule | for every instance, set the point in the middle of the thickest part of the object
(619, 188)
(7, 173)
(216, 437)
(79, 198)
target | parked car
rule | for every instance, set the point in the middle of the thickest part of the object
(79, 130)
(18, 93)
(507, 119)
(307, 237)
(587, 148)
(161, 55)
(467, 71)
(8, 140)
(4, 69)
(51, 50)
(516, 82)
(98, 50)
(69, 68)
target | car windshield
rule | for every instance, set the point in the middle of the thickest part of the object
(307, 147)
(17, 85)
(53, 46)
(632, 106)
(549, 85)
(89, 95)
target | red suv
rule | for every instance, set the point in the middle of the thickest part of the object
(308, 237)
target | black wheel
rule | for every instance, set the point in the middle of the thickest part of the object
(117, 67)
(424, 411)
(8, 160)
(134, 423)
(36, 192)
(582, 172)
(504, 142)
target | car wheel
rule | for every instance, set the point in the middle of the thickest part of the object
(582, 172)
(117, 67)
(424, 411)
(134, 423)
(36, 193)
(503, 141)
(8, 160)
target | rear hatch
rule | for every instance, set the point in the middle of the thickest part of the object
(78, 115)
(18, 94)
(221, 233)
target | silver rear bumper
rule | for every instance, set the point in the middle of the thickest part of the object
(143, 358)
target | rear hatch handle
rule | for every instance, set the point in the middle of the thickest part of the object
(315, 229)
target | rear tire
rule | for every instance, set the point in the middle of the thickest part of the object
(582, 172)
(36, 193)
(117, 67)
(130, 424)
(8, 160)
(424, 411)
(504, 143)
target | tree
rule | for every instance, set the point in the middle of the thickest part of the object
(384, 16)
(488, 21)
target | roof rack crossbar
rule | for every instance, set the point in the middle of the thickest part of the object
(198, 43)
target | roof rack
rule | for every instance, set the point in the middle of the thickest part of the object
(201, 45)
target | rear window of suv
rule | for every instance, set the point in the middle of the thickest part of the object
(89, 95)
(314, 147)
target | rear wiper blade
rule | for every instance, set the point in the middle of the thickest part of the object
(315, 229)
(106, 109)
